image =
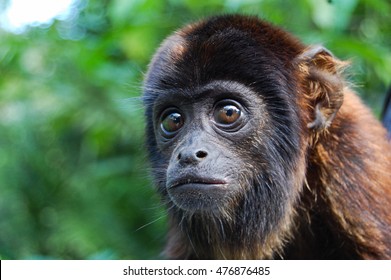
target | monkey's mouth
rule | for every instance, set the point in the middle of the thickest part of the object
(203, 182)
(197, 194)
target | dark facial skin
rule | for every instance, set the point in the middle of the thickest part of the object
(199, 132)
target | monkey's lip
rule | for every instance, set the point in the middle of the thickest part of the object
(197, 182)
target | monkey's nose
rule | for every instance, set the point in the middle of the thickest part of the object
(189, 157)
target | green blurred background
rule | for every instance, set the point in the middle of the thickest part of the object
(74, 180)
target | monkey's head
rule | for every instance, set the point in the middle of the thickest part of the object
(228, 126)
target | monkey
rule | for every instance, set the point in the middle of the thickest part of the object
(260, 148)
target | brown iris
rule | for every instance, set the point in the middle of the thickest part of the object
(226, 114)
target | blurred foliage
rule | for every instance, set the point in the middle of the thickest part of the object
(74, 180)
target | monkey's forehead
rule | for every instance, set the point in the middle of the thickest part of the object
(223, 47)
(230, 31)
(235, 48)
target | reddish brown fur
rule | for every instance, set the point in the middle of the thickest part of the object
(358, 195)
(349, 173)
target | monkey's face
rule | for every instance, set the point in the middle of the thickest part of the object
(206, 137)
(223, 131)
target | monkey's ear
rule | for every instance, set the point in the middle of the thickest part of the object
(323, 84)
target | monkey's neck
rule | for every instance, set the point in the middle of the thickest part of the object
(212, 238)
(181, 246)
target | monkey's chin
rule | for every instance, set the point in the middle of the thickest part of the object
(199, 197)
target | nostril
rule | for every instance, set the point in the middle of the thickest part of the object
(191, 157)
(201, 154)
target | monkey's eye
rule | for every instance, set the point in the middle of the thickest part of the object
(227, 114)
(171, 122)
